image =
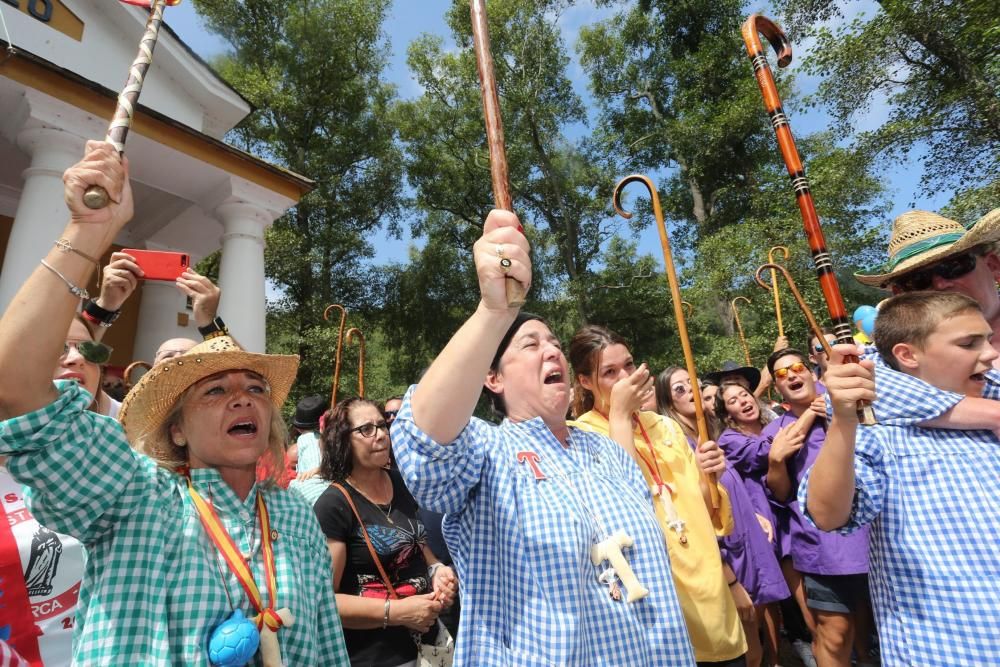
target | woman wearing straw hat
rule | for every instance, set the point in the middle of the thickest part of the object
(183, 545)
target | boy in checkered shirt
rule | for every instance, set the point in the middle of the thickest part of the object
(929, 494)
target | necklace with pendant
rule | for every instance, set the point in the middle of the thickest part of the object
(661, 490)
(384, 512)
(607, 546)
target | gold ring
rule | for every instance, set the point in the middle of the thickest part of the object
(500, 250)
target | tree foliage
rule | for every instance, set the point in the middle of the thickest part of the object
(314, 73)
(934, 64)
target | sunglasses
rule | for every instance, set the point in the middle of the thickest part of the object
(90, 350)
(681, 388)
(390, 415)
(369, 430)
(797, 367)
(948, 269)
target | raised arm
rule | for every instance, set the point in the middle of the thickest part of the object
(444, 400)
(832, 485)
(33, 328)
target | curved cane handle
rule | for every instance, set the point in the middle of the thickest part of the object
(675, 292)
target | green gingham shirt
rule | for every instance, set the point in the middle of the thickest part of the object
(154, 586)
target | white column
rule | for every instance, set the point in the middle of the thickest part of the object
(161, 303)
(41, 212)
(241, 272)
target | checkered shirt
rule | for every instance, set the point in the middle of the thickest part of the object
(155, 587)
(521, 545)
(310, 457)
(931, 497)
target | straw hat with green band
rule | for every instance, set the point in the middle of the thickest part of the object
(921, 238)
(150, 401)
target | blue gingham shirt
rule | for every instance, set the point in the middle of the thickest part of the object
(310, 457)
(521, 545)
(932, 497)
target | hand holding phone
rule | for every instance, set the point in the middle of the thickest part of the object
(158, 264)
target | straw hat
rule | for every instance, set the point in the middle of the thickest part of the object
(153, 397)
(921, 238)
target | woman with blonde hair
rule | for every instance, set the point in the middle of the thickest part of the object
(191, 561)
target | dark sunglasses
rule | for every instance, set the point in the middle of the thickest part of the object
(369, 430)
(390, 415)
(90, 350)
(948, 269)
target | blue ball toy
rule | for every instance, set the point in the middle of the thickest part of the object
(234, 642)
(861, 312)
(868, 325)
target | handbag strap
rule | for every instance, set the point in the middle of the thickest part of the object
(371, 549)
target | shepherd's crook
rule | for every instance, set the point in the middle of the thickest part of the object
(95, 196)
(739, 328)
(340, 347)
(516, 292)
(675, 292)
(816, 330)
(774, 281)
(755, 26)
(351, 333)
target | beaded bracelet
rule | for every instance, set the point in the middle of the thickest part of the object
(78, 292)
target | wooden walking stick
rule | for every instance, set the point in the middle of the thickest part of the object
(739, 328)
(813, 326)
(351, 333)
(755, 26)
(689, 308)
(340, 348)
(675, 292)
(95, 196)
(516, 292)
(774, 281)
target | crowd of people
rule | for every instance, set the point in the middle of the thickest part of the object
(604, 518)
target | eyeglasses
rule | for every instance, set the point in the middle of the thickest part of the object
(797, 367)
(390, 415)
(369, 429)
(90, 350)
(948, 269)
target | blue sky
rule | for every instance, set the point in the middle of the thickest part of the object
(410, 18)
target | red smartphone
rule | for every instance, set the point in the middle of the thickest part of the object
(159, 264)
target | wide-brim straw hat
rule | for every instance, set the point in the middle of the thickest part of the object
(922, 238)
(150, 401)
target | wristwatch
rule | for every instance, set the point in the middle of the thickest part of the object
(214, 329)
(99, 315)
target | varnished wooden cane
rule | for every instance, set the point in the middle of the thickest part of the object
(755, 26)
(675, 292)
(95, 196)
(516, 292)
(340, 348)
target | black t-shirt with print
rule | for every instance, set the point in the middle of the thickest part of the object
(398, 543)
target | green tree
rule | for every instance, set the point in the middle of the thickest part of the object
(678, 98)
(560, 186)
(314, 72)
(935, 64)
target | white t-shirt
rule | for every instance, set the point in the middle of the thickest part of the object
(53, 569)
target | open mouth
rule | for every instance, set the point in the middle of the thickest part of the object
(247, 427)
(978, 377)
(795, 385)
(747, 411)
(555, 377)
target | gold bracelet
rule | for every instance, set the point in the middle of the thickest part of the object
(64, 246)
